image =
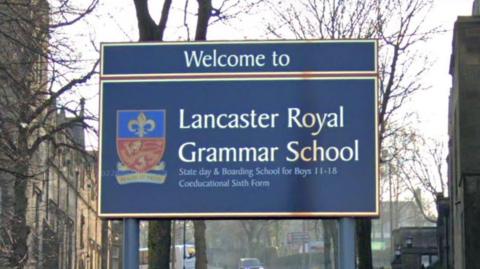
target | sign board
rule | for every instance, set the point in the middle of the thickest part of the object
(297, 238)
(239, 129)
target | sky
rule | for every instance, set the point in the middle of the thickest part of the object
(115, 21)
(432, 105)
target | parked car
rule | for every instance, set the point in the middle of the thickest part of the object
(250, 263)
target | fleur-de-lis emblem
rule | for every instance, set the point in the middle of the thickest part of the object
(141, 125)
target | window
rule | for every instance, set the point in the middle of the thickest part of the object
(93, 191)
(69, 243)
(72, 202)
(52, 214)
(115, 252)
(82, 228)
(79, 178)
(425, 261)
(115, 264)
(36, 243)
(115, 258)
(38, 69)
(1, 203)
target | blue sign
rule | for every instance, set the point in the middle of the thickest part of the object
(149, 59)
(228, 145)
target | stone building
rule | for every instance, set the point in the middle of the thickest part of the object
(112, 236)
(72, 204)
(65, 231)
(464, 145)
(443, 230)
(415, 247)
(393, 216)
(476, 8)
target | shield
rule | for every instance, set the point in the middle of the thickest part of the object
(141, 138)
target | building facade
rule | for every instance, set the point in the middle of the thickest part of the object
(72, 202)
(57, 181)
(62, 213)
(415, 247)
(476, 8)
(464, 145)
(393, 216)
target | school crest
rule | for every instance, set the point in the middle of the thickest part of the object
(141, 141)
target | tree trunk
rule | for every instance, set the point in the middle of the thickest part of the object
(364, 242)
(164, 18)
(201, 262)
(159, 244)
(327, 237)
(250, 245)
(19, 228)
(334, 231)
(204, 12)
(159, 231)
(200, 244)
(159, 237)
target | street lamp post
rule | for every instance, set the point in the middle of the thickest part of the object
(385, 156)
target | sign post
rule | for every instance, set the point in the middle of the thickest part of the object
(239, 130)
(347, 243)
(131, 243)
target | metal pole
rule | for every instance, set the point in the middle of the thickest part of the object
(391, 210)
(174, 243)
(347, 244)
(184, 242)
(131, 243)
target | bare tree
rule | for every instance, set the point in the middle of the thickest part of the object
(253, 230)
(34, 82)
(160, 231)
(398, 26)
(149, 30)
(330, 235)
(423, 171)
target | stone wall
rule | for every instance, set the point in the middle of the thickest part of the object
(464, 132)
